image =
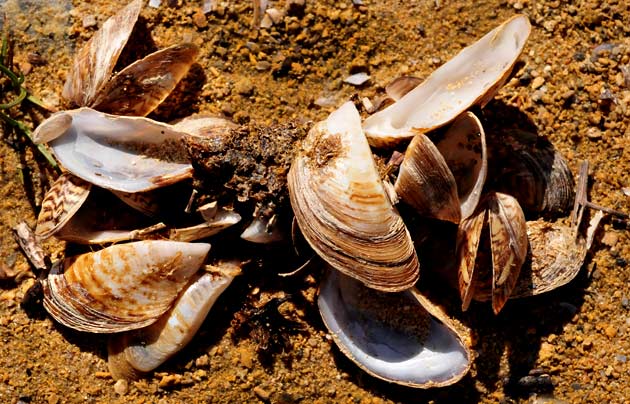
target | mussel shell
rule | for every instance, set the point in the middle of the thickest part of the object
(343, 210)
(399, 337)
(556, 255)
(136, 352)
(140, 87)
(490, 265)
(531, 169)
(472, 76)
(61, 203)
(463, 147)
(508, 241)
(122, 287)
(129, 154)
(102, 219)
(426, 182)
(94, 63)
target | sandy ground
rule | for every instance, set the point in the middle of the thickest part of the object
(570, 345)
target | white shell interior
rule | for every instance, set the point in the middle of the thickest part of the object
(454, 86)
(384, 352)
(128, 154)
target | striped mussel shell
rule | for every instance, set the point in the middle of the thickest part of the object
(529, 167)
(61, 202)
(490, 263)
(444, 180)
(343, 209)
(122, 287)
(135, 90)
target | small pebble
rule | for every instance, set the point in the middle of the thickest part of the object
(357, 79)
(610, 239)
(262, 393)
(169, 380)
(595, 118)
(610, 331)
(621, 358)
(244, 87)
(121, 387)
(199, 19)
(593, 133)
(538, 82)
(202, 361)
(625, 302)
(263, 65)
(26, 68)
(89, 21)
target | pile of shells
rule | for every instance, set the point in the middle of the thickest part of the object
(113, 189)
(119, 167)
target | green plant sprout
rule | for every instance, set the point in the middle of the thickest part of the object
(16, 81)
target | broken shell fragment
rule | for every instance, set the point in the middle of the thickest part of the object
(343, 210)
(221, 220)
(483, 277)
(472, 76)
(263, 231)
(94, 63)
(140, 87)
(60, 204)
(122, 287)
(464, 150)
(129, 154)
(556, 256)
(134, 353)
(426, 183)
(398, 337)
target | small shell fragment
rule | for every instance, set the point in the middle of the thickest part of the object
(397, 88)
(122, 287)
(357, 79)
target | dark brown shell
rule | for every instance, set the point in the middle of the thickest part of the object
(529, 167)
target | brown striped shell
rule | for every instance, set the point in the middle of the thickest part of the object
(61, 202)
(122, 287)
(343, 209)
(490, 264)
